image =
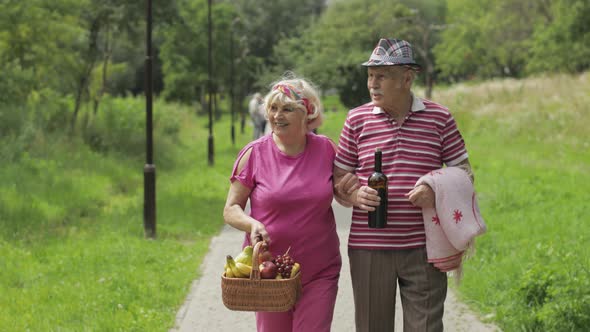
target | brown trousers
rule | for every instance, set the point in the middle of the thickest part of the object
(423, 290)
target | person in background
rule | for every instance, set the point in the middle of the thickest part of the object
(416, 136)
(256, 111)
(287, 176)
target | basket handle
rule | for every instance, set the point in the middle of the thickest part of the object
(255, 274)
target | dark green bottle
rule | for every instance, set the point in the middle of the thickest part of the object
(378, 181)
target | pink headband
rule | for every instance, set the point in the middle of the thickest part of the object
(291, 92)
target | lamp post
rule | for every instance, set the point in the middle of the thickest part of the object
(149, 169)
(209, 85)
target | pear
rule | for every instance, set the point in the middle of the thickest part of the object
(245, 257)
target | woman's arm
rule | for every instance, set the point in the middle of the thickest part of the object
(344, 183)
(347, 190)
(233, 212)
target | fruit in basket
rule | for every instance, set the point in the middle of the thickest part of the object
(231, 263)
(244, 269)
(285, 264)
(228, 273)
(295, 269)
(264, 254)
(245, 257)
(268, 270)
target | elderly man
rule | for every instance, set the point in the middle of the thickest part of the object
(416, 136)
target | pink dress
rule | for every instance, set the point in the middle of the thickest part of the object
(292, 197)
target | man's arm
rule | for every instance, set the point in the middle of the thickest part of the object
(466, 166)
(423, 196)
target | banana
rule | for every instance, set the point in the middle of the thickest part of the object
(245, 257)
(228, 273)
(295, 269)
(232, 265)
(244, 269)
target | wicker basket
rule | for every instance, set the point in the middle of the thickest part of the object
(256, 294)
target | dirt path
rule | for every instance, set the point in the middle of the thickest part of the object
(204, 311)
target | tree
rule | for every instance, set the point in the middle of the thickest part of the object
(184, 50)
(562, 37)
(102, 19)
(488, 38)
(422, 26)
(263, 25)
(39, 38)
(331, 50)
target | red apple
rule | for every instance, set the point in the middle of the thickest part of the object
(265, 256)
(268, 270)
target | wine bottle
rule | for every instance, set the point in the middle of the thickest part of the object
(378, 181)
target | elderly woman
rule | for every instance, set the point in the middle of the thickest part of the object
(287, 175)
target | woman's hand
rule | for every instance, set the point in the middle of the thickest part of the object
(258, 233)
(347, 185)
(422, 196)
(344, 189)
(366, 198)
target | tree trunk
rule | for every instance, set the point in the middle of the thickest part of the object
(424, 52)
(105, 64)
(203, 100)
(243, 109)
(429, 86)
(85, 76)
(216, 105)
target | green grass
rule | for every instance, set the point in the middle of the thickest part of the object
(528, 144)
(73, 256)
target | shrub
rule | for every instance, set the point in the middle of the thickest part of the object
(554, 294)
(119, 126)
(15, 83)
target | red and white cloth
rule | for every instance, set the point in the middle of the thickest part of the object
(451, 227)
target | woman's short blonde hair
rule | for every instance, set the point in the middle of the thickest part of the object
(299, 91)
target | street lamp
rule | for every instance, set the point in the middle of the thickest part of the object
(209, 85)
(149, 169)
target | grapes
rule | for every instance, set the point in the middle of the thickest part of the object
(285, 265)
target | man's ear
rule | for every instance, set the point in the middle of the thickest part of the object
(411, 76)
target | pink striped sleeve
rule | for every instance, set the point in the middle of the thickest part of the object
(347, 153)
(454, 150)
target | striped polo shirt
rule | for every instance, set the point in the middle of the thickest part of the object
(427, 139)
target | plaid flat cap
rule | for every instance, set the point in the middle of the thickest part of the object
(392, 52)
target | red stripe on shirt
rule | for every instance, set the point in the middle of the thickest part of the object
(427, 139)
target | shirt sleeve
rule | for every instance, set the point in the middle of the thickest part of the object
(454, 150)
(347, 152)
(247, 175)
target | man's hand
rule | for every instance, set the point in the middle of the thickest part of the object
(422, 196)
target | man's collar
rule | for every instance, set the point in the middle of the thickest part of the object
(417, 106)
